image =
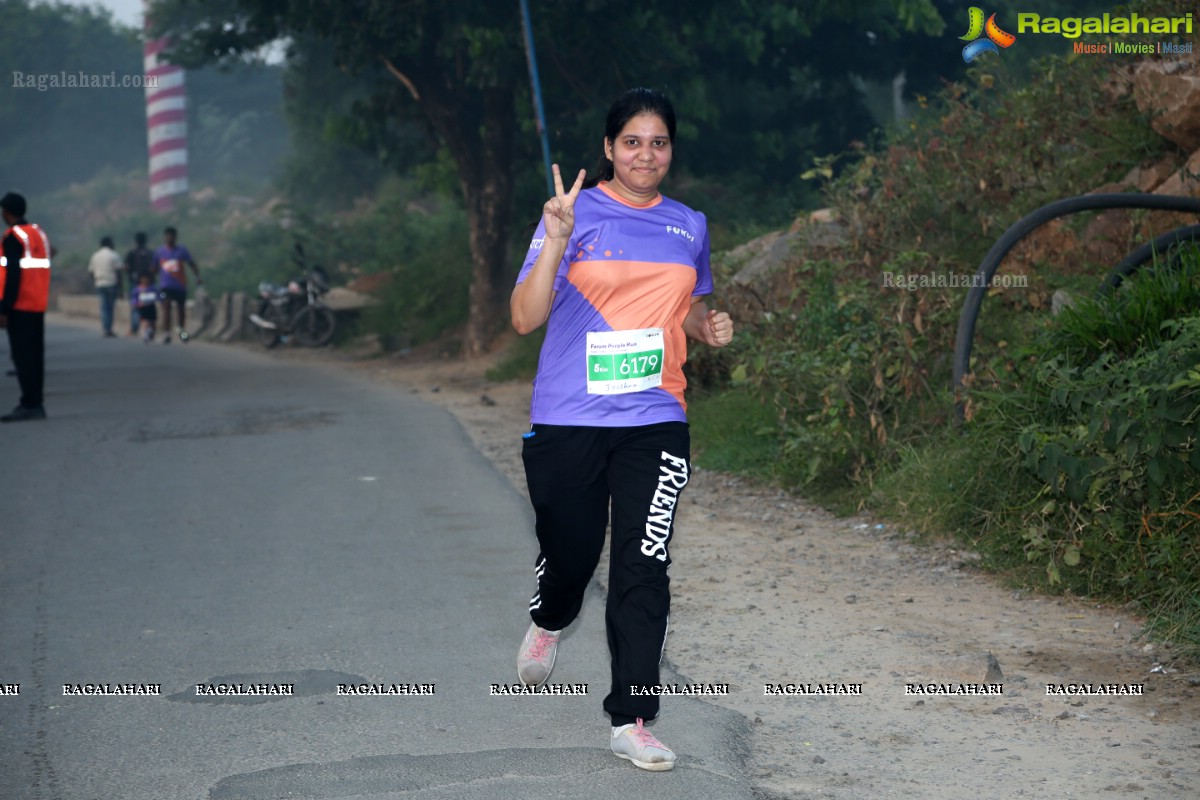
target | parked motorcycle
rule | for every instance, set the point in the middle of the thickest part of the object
(295, 309)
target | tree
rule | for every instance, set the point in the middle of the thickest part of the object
(455, 60)
(57, 136)
(461, 65)
(47, 143)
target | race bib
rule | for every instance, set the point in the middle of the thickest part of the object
(620, 362)
(172, 266)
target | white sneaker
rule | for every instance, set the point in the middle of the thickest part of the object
(536, 657)
(635, 743)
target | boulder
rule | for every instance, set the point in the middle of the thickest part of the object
(1169, 91)
(1185, 182)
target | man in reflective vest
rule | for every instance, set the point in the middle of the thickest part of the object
(25, 276)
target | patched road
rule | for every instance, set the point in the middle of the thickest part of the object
(202, 544)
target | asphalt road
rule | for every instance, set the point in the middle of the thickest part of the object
(197, 514)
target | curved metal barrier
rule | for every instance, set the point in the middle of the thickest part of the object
(1134, 260)
(1022, 228)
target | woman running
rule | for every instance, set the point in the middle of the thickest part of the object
(618, 274)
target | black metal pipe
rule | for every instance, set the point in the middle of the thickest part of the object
(1133, 261)
(1018, 231)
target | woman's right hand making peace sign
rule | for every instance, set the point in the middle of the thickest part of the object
(559, 211)
(531, 299)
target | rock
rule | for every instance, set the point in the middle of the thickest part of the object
(1059, 300)
(1014, 711)
(994, 674)
(339, 298)
(818, 760)
(1185, 182)
(769, 253)
(1147, 179)
(1170, 92)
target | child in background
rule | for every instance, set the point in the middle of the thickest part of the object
(144, 298)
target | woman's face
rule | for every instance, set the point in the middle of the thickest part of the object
(641, 156)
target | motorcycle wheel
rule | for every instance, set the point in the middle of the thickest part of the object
(313, 326)
(269, 337)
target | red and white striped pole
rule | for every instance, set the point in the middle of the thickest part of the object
(166, 124)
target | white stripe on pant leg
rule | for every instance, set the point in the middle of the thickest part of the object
(663, 649)
(539, 569)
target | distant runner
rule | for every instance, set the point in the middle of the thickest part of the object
(170, 260)
(138, 262)
(618, 274)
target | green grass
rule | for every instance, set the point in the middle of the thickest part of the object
(521, 359)
(733, 432)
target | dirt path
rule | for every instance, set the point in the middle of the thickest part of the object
(768, 589)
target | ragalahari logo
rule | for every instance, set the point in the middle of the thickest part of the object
(983, 37)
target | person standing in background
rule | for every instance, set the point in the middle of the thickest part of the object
(25, 274)
(138, 262)
(105, 268)
(170, 260)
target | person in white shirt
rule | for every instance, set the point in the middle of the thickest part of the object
(105, 267)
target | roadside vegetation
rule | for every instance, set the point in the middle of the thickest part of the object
(1078, 467)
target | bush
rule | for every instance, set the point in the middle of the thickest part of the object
(1084, 476)
(857, 371)
(1134, 317)
(422, 245)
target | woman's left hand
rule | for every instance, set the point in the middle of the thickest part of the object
(718, 328)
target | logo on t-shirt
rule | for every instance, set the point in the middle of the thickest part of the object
(172, 265)
(680, 232)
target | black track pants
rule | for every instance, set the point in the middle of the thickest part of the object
(27, 340)
(574, 473)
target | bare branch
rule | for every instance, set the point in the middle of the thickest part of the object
(400, 76)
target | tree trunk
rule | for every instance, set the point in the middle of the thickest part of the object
(487, 190)
(477, 129)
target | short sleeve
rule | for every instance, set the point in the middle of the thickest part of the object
(535, 247)
(704, 284)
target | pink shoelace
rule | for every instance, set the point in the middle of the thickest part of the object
(645, 737)
(544, 639)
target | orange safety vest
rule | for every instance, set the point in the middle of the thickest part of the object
(34, 294)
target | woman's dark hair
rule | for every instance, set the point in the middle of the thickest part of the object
(630, 104)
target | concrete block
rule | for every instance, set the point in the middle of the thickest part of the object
(220, 318)
(239, 312)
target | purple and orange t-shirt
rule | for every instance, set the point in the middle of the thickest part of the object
(171, 262)
(627, 267)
